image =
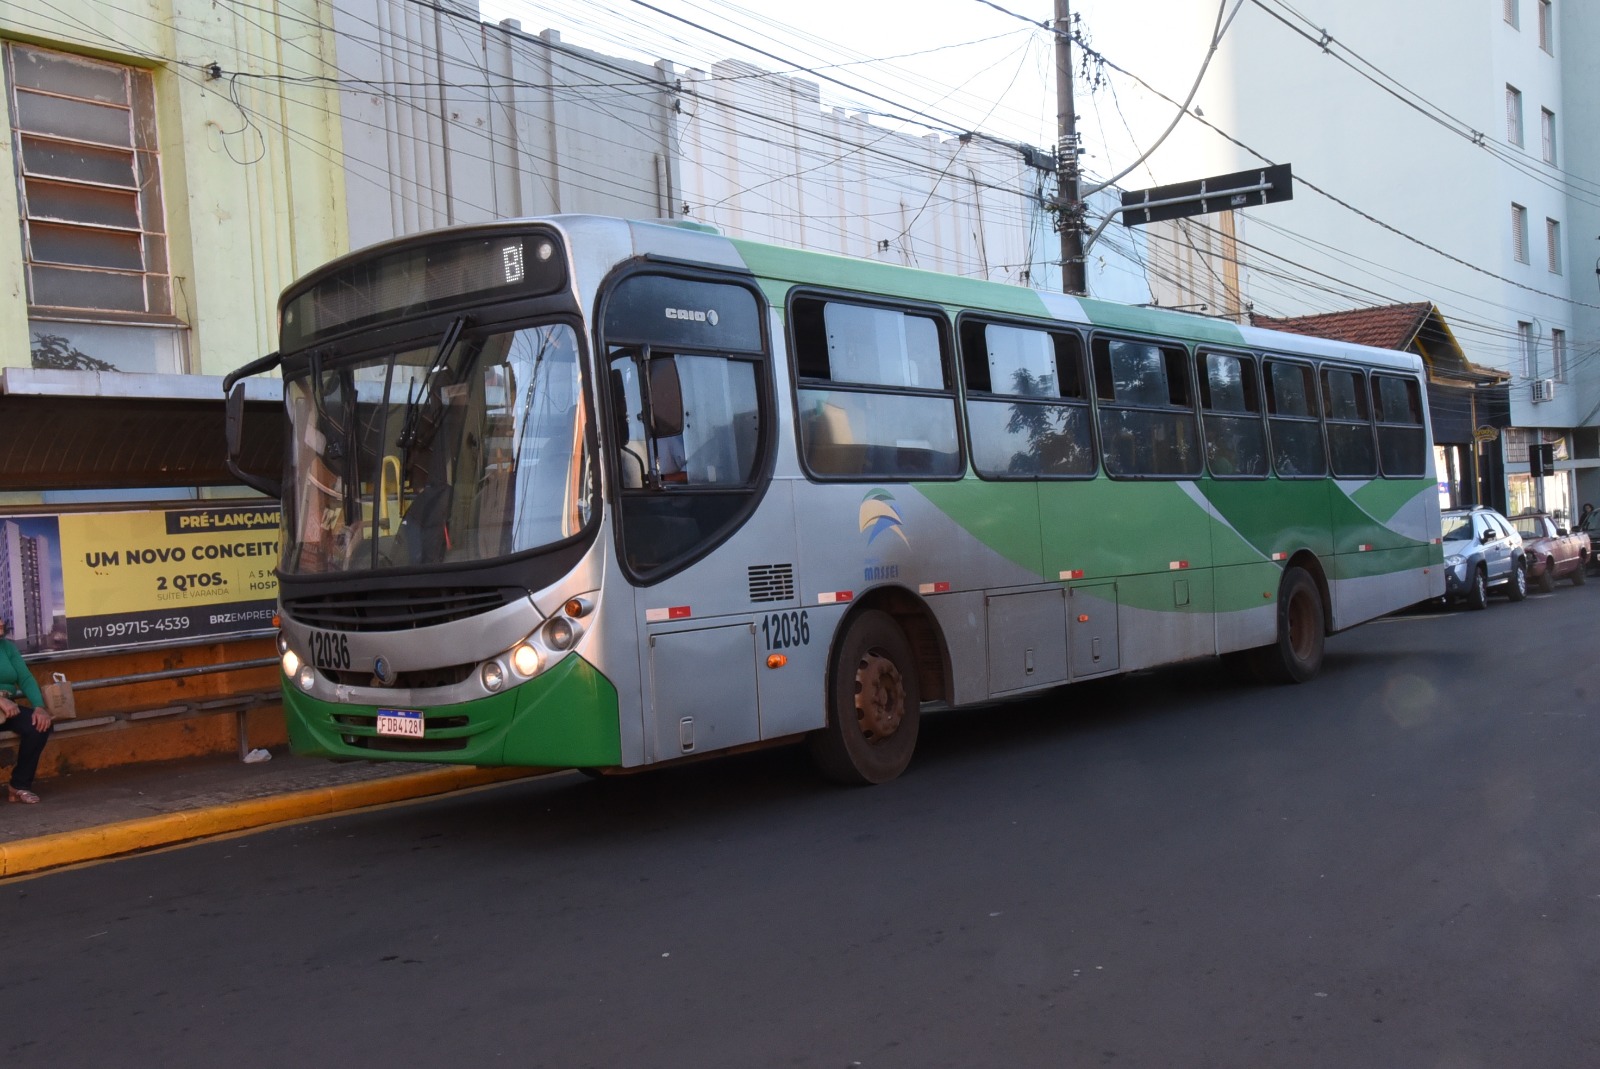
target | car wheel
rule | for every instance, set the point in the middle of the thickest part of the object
(1547, 578)
(1517, 586)
(1478, 593)
(1580, 574)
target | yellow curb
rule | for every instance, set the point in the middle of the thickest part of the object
(146, 833)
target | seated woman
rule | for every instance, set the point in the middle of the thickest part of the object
(32, 726)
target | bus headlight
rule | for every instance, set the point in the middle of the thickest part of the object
(560, 633)
(283, 643)
(291, 662)
(493, 676)
(525, 659)
(306, 677)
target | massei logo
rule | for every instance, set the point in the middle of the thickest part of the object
(879, 514)
(694, 315)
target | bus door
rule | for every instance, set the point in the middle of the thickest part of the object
(689, 404)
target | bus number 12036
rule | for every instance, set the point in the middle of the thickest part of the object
(785, 629)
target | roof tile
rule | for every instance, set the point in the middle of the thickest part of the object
(1389, 327)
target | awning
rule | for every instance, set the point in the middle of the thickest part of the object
(81, 430)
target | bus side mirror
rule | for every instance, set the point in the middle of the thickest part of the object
(233, 434)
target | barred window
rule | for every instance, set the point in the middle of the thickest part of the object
(93, 225)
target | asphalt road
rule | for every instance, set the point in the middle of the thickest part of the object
(1397, 865)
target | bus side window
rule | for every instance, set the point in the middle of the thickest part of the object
(875, 391)
(1351, 450)
(1027, 405)
(1230, 404)
(1292, 423)
(1402, 438)
(1148, 426)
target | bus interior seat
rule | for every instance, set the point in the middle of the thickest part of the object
(831, 448)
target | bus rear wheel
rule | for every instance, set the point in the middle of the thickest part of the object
(1296, 656)
(874, 704)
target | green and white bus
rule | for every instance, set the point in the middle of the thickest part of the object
(587, 492)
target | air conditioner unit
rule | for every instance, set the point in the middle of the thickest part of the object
(1544, 389)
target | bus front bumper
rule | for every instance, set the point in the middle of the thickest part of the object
(565, 717)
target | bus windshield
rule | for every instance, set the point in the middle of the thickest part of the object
(465, 448)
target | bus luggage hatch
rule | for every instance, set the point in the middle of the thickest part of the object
(1027, 641)
(1092, 628)
(703, 690)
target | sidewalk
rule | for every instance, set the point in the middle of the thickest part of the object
(105, 813)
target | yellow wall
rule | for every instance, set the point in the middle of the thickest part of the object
(254, 192)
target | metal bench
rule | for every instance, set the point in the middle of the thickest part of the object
(239, 704)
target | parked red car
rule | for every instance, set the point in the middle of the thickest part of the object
(1552, 552)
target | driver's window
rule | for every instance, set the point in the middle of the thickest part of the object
(684, 421)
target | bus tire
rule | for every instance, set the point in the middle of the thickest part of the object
(874, 704)
(1296, 656)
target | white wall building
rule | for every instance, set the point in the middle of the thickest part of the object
(1444, 151)
(761, 158)
(448, 120)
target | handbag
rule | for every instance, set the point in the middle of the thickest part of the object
(58, 699)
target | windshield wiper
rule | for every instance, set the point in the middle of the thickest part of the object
(417, 393)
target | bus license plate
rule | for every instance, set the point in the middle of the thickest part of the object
(407, 722)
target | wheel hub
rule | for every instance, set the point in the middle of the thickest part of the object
(880, 697)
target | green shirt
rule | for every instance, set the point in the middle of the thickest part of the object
(14, 675)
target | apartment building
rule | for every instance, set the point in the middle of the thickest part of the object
(1444, 152)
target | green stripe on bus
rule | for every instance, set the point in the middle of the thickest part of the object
(568, 716)
(792, 266)
(1382, 499)
(1177, 325)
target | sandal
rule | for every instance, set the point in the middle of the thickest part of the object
(22, 795)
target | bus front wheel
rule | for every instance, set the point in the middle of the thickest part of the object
(1296, 656)
(874, 704)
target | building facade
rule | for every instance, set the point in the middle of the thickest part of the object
(173, 170)
(1462, 174)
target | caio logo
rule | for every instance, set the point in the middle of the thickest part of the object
(693, 315)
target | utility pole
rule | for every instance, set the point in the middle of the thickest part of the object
(1069, 206)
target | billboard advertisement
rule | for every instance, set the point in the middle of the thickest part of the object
(81, 581)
